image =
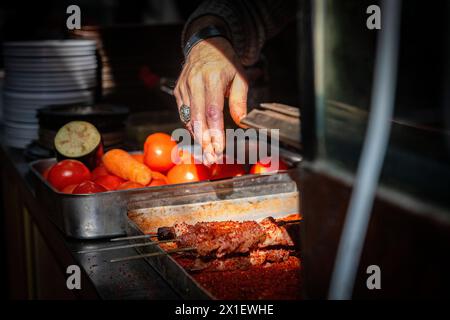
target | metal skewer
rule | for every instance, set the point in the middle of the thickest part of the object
(282, 222)
(134, 245)
(145, 236)
(146, 255)
(155, 234)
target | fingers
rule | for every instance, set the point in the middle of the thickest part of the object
(197, 91)
(238, 98)
(183, 98)
(214, 112)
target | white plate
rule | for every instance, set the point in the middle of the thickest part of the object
(21, 117)
(12, 59)
(33, 104)
(49, 43)
(51, 89)
(17, 125)
(38, 86)
(49, 65)
(66, 81)
(56, 68)
(49, 61)
(16, 142)
(33, 109)
(30, 105)
(22, 133)
(47, 96)
(48, 52)
(39, 76)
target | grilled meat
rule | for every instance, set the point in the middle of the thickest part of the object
(259, 257)
(222, 238)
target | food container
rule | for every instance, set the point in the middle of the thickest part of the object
(108, 119)
(103, 215)
(275, 195)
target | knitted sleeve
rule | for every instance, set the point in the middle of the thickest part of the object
(249, 22)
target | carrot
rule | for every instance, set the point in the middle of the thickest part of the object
(139, 157)
(158, 179)
(158, 176)
(129, 185)
(123, 165)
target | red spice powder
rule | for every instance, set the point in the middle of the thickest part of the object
(276, 281)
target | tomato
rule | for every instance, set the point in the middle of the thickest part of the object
(69, 188)
(183, 172)
(68, 172)
(139, 157)
(129, 185)
(261, 167)
(45, 172)
(99, 172)
(158, 179)
(184, 156)
(227, 169)
(109, 182)
(157, 182)
(88, 187)
(158, 152)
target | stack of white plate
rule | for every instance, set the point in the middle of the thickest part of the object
(43, 73)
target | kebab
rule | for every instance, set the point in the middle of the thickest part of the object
(217, 239)
(258, 257)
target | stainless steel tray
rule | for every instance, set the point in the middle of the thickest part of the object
(103, 215)
(282, 201)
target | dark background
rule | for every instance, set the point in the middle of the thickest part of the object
(37, 20)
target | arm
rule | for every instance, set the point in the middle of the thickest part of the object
(250, 23)
(214, 67)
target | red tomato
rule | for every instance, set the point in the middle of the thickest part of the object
(157, 182)
(99, 172)
(182, 173)
(68, 172)
(88, 187)
(109, 182)
(158, 152)
(129, 185)
(226, 170)
(261, 167)
(139, 157)
(184, 156)
(69, 188)
(45, 172)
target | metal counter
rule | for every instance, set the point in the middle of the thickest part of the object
(127, 280)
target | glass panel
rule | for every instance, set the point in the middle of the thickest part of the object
(418, 158)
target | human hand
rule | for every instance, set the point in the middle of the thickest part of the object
(212, 72)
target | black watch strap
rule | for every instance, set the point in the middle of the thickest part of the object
(203, 34)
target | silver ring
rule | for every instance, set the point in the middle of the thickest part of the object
(185, 113)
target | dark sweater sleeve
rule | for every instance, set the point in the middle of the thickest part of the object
(249, 22)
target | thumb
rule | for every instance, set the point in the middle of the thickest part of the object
(238, 98)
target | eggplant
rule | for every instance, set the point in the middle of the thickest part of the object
(79, 140)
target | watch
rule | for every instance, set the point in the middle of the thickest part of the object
(203, 34)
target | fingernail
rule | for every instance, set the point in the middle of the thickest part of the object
(210, 157)
(217, 149)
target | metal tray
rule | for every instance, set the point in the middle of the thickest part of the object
(103, 215)
(239, 206)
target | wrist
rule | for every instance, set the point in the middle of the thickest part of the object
(205, 28)
(203, 22)
(211, 34)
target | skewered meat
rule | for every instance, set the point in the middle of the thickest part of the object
(221, 238)
(260, 257)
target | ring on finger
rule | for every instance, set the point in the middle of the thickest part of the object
(185, 113)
